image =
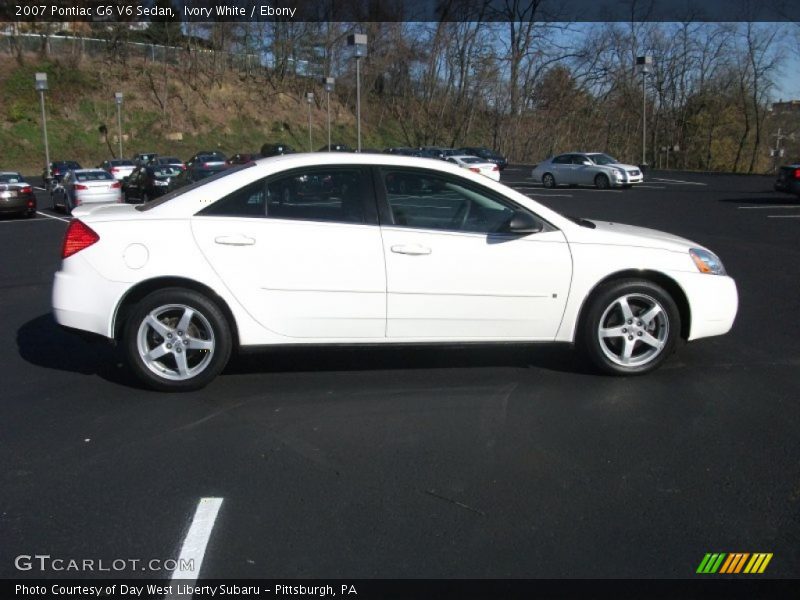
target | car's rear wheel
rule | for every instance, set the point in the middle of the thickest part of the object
(602, 182)
(177, 340)
(548, 180)
(630, 327)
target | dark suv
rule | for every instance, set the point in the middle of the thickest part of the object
(276, 150)
(55, 173)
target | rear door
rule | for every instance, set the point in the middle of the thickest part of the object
(302, 252)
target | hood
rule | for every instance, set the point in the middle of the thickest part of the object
(622, 166)
(629, 235)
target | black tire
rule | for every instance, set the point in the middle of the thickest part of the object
(548, 180)
(30, 213)
(208, 325)
(601, 181)
(604, 310)
(53, 201)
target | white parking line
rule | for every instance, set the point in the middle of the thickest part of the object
(797, 206)
(194, 546)
(652, 187)
(38, 212)
(678, 181)
(783, 216)
(36, 187)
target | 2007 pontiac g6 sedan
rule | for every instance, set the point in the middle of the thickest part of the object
(374, 249)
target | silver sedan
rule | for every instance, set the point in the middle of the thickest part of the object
(86, 186)
(586, 168)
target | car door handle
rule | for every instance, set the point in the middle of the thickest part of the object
(234, 240)
(411, 249)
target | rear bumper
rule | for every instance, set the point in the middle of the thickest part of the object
(84, 300)
(18, 205)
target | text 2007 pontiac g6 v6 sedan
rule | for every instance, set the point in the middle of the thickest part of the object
(364, 249)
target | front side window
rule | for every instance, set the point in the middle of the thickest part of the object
(564, 159)
(319, 194)
(436, 201)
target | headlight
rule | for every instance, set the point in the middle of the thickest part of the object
(619, 173)
(707, 262)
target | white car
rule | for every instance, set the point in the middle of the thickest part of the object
(476, 165)
(330, 248)
(120, 168)
(586, 168)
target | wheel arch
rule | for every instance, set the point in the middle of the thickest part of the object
(665, 281)
(143, 288)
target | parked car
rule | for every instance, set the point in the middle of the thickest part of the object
(403, 151)
(476, 165)
(487, 154)
(120, 168)
(148, 182)
(438, 152)
(167, 161)
(194, 173)
(789, 179)
(242, 158)
(55, 172)
(268, 150)
(586, 168)
(143, 158)
(207, 158)
(259, 255)
(16, 195)
(86, 186)
(336, 148)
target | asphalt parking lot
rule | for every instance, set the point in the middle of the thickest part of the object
(479, 462)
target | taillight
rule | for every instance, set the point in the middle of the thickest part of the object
(205, 165)
(475, 169)
(114, 169)
(183, 167)
(78, 186)
(495, 168)
(796, 174)
(78, 236)
(116, 185)
(26, 190)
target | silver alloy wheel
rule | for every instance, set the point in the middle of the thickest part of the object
(175, 342)
(548, 180)
(633, 330)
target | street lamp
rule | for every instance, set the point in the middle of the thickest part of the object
(645, 64)
(310, 100)
(41, 87)
(118, 100)
(359, 43)
(329, 83)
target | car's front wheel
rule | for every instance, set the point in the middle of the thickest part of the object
(602, 182)
(177, 340)
(630, 327)
(548, 180)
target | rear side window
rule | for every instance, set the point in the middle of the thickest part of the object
(336, 195)
(181, 190)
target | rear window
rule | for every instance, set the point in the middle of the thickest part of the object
(175, 193)
(93, 176)
(122, 163)
(165, 172)
(10, 178)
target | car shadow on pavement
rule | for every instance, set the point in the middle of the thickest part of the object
(43, 343)
(553, 357)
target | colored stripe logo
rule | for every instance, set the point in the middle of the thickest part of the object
(734, 563)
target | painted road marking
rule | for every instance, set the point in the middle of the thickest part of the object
(770, 206)
(678, 181)
(549, 195)
(194, 546)
(41, 189)
(783, 216)
(38, 212)
(652, 187)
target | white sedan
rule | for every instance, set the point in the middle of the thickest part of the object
(476, 165)
(82, 187)
(331, 249)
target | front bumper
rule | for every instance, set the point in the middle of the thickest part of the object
(789, 186)
(627, 178)
(713, 301)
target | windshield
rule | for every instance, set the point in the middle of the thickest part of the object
(182, 190)
(603, 159)
(166, 172)
(10, 178)
(122, 163)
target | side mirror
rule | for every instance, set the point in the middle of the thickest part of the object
(522, 222)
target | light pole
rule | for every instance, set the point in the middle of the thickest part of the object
(309, 100)
(329, 83)
(645, 64)
(118, 100)
(359, 43)
(41, 87)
